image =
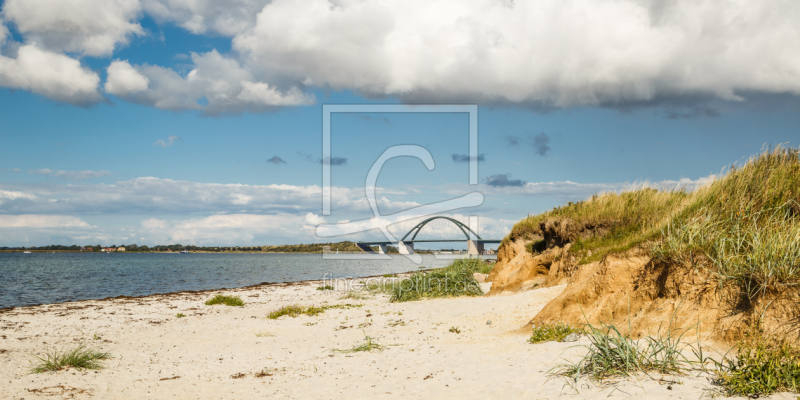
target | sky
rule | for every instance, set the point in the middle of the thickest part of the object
(200, 122)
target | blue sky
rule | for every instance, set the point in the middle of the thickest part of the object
(157, 120)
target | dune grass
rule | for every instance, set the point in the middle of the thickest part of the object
(233, 301)
(80, 357)
(454, 280)
(742, 226)
(552, 332)
(760, 366)
(611, 354)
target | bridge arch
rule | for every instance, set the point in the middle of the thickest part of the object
(416, 229)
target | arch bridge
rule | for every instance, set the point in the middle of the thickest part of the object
(406, 245)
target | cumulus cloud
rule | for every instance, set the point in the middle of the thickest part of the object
(216, 85)
(276, 160)
(464, 158)
(69, 175)
(124, 79)
(503, 180)
(89, 27)
(168, 141)
(52, 75)
(227, 18)
(546, 53)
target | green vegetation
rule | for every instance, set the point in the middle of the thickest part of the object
(742, 226)
(180, 315)
(760, 366)
(234, 301)
(80, 357)
(312, 248)
(368, 345)
(451, 281)
(295, 311)
(326, 287)
(613, 355)
(552, 332)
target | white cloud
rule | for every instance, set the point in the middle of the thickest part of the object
(90, 27)
(124, 79)
(548, 52)
(165, 196)
(216, 85)
(207, 16)
(40, 221)
(52, 75)
(168, 142)
(7, 196)
(69, 175)
(3, 33)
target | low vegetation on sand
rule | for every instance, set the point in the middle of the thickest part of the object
(454, 280)
(760, 366)
(234, 301)
(552, 332)
(367, 345)
(80, 357)
(295, 311)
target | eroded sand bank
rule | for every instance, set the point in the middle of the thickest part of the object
(219, 352)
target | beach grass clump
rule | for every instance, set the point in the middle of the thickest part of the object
(454, 280)
(612, 354)
(80, 357)
(180, 315)
(760, 366)
(233, 301)
(368, 345)
(326, 287)
(295, 311)
(552, 332)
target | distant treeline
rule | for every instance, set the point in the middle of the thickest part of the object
(294, 248)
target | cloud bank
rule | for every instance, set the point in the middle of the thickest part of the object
(544, 54)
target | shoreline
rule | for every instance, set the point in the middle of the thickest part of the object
(194, 292)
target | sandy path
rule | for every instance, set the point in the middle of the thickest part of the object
(160, 356)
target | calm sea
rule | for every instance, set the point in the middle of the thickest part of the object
(44, 278)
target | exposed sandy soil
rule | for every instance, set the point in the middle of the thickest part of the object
(217, 352)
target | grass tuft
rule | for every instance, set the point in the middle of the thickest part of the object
(80, 357)
(614, 355)
(180, 315)
(234, 301)
(454, 280)
(761, 366)
(367, 345)
(552, 332)
(326, 287)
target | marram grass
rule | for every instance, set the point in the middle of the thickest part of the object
(234, 301)
(742, 225)
(80, 357)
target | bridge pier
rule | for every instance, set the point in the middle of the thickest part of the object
(405, 248)
(382, 248)
(474, 247)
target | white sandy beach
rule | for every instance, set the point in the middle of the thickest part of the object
(216, 352)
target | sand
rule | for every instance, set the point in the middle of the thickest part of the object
(220, 352)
